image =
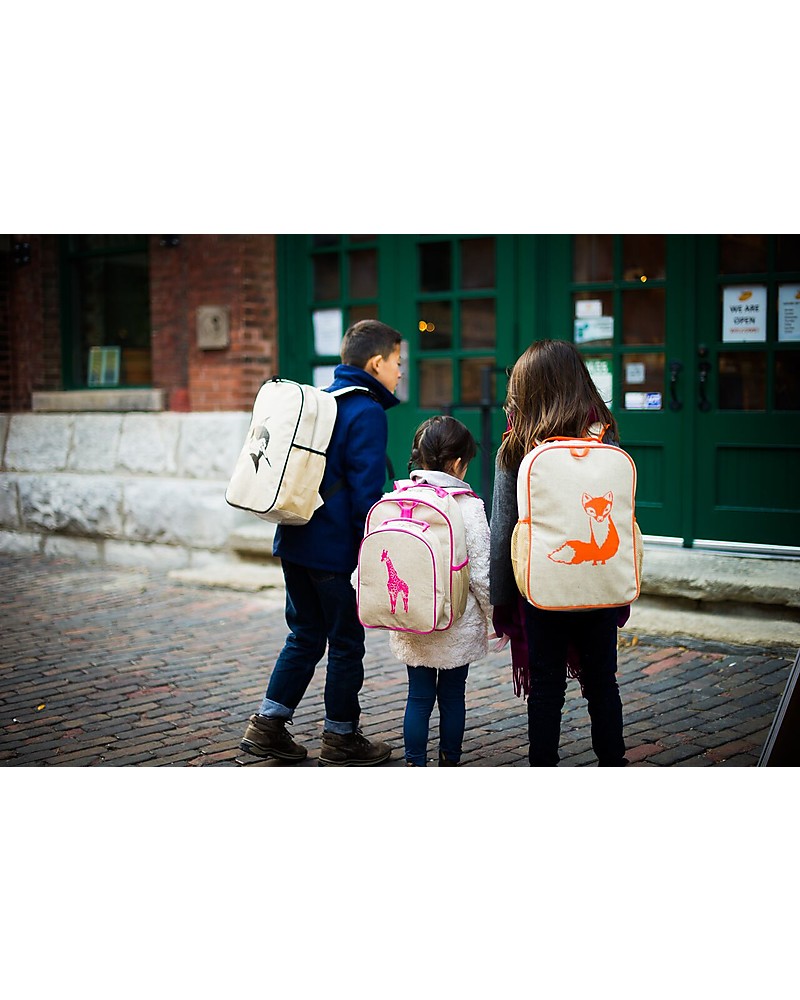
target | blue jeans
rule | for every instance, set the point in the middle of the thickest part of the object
(426, 686)
(320, 611)
(593, 634)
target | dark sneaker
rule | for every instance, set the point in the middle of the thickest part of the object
(268, 738)
(351, 750)
(444, 762)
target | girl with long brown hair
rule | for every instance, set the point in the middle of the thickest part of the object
(551, 394)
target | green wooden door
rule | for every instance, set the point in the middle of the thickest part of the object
(709, 408)
(746, 393)
(623, 301)
(451, 297)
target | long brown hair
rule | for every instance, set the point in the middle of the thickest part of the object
(550, 394)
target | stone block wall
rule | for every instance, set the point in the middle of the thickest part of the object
(120, 488)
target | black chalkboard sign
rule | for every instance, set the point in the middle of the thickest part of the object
(782, 748)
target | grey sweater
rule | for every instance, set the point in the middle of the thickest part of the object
(502, 585)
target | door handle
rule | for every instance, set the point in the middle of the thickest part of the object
(675, 368)
(703, 368)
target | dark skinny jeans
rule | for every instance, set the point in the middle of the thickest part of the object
(593, 634)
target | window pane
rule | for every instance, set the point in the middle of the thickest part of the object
(436, 326)
(788, 253)
(112, 302)
(742, 380)
(477, 324)
(787, 380)
(435, 384)
(643, 315)
(363, 274)
(591, 313)
(471, 379)
(324, 241)
(477, 263)
(643, 381)
(326, 277)
(355, 313)
(742, 254)
(90, 242)
(643, 256)
(434, 267)
(593, 258)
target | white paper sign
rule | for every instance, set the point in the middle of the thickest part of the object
(323, 375)
(744, 314)
(588, 307)
(600, 371)
(634, 373)
(594, 328)
(328, 331)
(789, 312)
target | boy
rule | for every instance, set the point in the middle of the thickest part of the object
(318, 560)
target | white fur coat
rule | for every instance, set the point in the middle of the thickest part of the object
(467, 639)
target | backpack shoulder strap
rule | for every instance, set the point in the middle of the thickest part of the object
(347, 389)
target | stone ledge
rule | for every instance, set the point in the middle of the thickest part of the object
(247, 577)
(98, 401)
(704, 576)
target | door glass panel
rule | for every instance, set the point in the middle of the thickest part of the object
(435, 384)
(787, 380)
(643, 257)
(324, 241)
(471, 379)
(326, 277)
(642, 381)
(436, 326)
(477, 263)
(788, 253)
(356, 313)
(477, 324)
(742, 254)
(593, 258)
(434, 267)
(362, 239)
(643, 314)
(742, 380)
(363, 274)
(592, 312)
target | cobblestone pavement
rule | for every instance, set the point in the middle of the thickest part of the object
(125, 667)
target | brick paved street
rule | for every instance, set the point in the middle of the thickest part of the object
(117, 667)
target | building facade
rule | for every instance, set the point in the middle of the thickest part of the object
(694, 340)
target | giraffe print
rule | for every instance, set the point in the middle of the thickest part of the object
(395, 585)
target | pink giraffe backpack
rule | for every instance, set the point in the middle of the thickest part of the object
(413, 570)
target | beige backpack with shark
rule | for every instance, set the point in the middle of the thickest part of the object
(282, 461)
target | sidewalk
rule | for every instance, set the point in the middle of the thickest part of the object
(125, 666)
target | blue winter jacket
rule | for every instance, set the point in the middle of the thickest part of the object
(356, 456)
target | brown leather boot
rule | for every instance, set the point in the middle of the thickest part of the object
(268, 738)
(351, 750)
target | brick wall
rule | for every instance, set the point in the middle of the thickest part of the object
(234, 271)
(238, 272)
(30, 332)
(5, 324)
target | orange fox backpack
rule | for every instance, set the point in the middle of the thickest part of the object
(576, 545)
(413, 570)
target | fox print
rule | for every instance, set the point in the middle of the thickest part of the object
(603, 536)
